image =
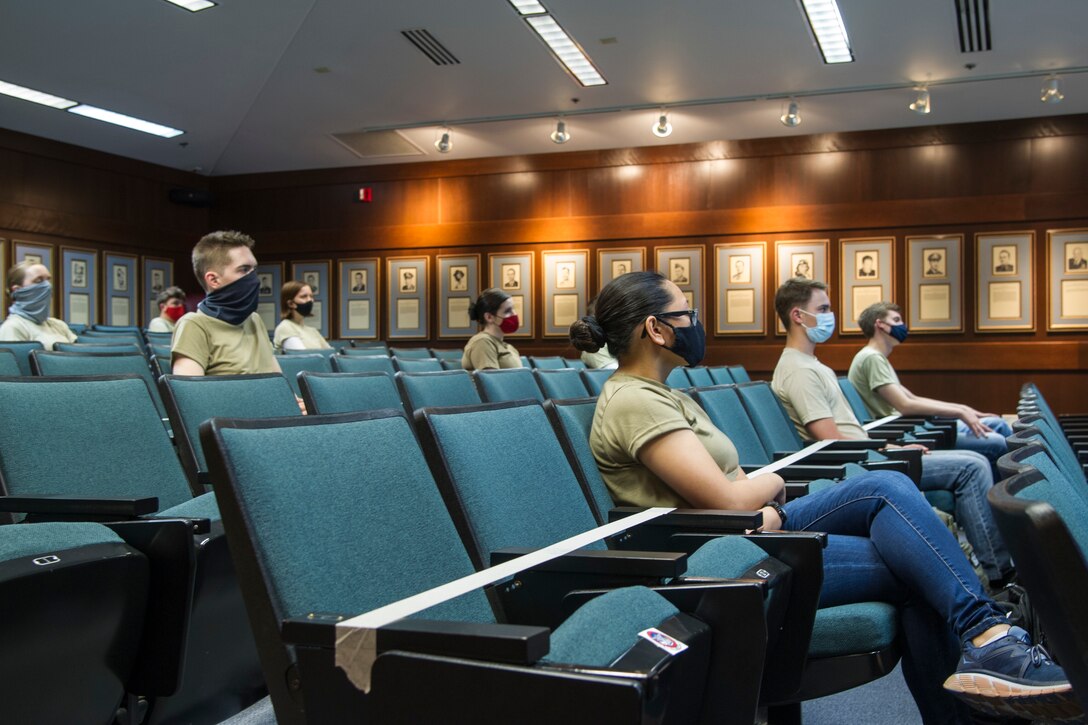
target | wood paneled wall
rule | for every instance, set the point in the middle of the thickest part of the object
(960, 179)
(72, 196)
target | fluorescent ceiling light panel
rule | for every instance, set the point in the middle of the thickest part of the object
(528, 7)
(566, 50)
(829, 30)
(193, 6)
(121, 119)
(29, 94)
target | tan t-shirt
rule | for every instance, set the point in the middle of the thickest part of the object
(869, 371)
(222, 348)
(810, 391)
(484, 351)
(631, 412)
(161, 324)
(310, 337)
(18, 328)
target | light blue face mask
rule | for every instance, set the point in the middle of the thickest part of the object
(825, 326)
(32, 301)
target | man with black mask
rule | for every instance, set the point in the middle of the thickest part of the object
(225, 336)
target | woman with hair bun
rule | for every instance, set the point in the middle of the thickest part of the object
(493, 311)
(654, 446)
(296, 304)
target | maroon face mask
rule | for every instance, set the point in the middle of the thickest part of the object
(509, 325)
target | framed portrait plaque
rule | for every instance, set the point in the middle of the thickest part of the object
(406, 298)
(612, 263)
(684, 267)
(270, 276)
(1067, 279)
(1004, 262)
(513, 273)
(566, 278)
(799, 258)
(740, 274)
(935, 283)
(359, 295)
(315, 273)
(78, 285)
(458, 287)
(868, 276)
(158, 275)
(121, 306)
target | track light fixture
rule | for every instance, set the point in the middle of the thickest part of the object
(920, 104)
(1052, 91)
(561, 134)
(444, 143)
(792, 116)
(662, 128)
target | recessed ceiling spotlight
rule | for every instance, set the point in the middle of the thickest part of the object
(1052, 91)
(662, 128)
(829, 30)
(193, 6)
(561, 135)
(920, 104)
(444, 143)
(792, 116)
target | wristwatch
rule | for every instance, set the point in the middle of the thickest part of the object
(778, 510)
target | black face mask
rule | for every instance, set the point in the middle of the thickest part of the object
(305, 308)
(235, 302)
(690, 342)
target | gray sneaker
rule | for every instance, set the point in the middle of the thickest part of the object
(1010, 676)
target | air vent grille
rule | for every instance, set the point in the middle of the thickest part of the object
(973, 19)
(429, 46)
(372, 144)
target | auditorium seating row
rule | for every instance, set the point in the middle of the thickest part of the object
(333, 490)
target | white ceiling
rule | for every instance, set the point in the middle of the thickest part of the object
(240, 80)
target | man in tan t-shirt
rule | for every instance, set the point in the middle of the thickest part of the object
(225, 336)
(810, 392)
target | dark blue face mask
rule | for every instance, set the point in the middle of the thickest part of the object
(899, 332)
(690, 342)
(235, 302)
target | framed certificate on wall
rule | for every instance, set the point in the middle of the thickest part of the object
(119, 290)
(407, 298)
(566, 278)
(512, 272)
(740, 274)
(458, 288)
(359, 295)
(316, 274)
(935, 282)
(868, 276)
(1005, 262)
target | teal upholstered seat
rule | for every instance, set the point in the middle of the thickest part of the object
(740, 375)
(109, 426)
(723, 405)
(326, 393)
(365, 349)
(853, 397)
(699, 377)
(720, 375)
(852, 628)
(574, 364)
(447, 354)
(430, 390)
(22, 351)
(575, 419)
(56, 364)
(292, 365)
(547, 363)
(594, 379)
(411, 353)
(97, 347)
(325, 351)
(452, 364)
(769, 417)
(504, 385)
(115, 329)
(157, 349)
(384, 535)
(9, 364)
(418, 364)
(192, 400)
(561, 383)
(678, 379)
(50, 538)
(362, 364)
(158, 338)
(111, 338)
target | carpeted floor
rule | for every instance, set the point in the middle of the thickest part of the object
(883, 701)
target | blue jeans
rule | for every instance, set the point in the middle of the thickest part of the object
(886, 544)
(968, 476)
(992, 445)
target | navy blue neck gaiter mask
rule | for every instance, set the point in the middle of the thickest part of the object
(235, 302)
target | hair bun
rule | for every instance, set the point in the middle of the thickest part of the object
(587, 334)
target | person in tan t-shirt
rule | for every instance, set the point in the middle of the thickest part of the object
(494, 312)
(654, 446)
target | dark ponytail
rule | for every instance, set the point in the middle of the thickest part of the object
(490, 300)
(622, 305)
